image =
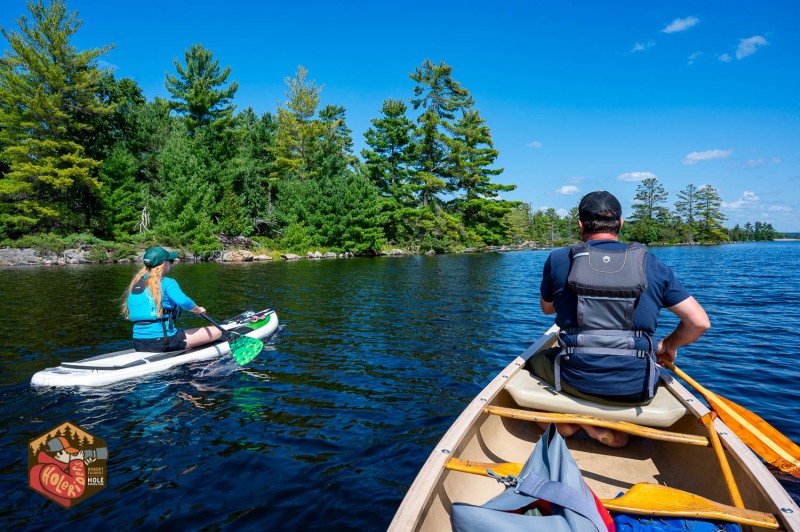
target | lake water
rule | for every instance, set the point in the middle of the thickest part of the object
(374, 360)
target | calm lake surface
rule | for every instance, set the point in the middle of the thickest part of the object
(374, 360)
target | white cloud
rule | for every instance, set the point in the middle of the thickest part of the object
(749, 200)
(752, 163)
(636, 176)
(535, 144)
(105, 65)
(697, 156)
(576, 179)
(639, 47)
(693, 57)
(779, 208)
(725, 58)
(681, 24)
(562, 213)
(568, 190)
(750, 46)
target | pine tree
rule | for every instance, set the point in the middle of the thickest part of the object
(439, 97)
(686, 208)
(48, 92)
(199, 92)
(298, 130)
(709, 215)
(648, 212)
(251, 178)
(387, 165)
(478, 203)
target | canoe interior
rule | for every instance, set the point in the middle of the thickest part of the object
(609, 472)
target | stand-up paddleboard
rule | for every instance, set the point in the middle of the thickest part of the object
(121, 365)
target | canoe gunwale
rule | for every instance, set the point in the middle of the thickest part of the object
(421, 494)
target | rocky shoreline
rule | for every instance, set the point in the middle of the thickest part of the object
(31, 257)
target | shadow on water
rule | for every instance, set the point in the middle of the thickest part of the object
(328, 427)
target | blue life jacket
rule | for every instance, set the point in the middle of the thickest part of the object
(142, 308)
(607, 283)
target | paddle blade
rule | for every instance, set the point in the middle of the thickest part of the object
(244, 348)
(764, 439)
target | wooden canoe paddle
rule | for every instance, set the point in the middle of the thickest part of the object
(645, 499)
(764, 439)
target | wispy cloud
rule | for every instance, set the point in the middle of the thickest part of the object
(105, 65)
(568, 190)
(641, 47)
(726, 58)
(697, 156)
(779, 208)
(694, 56)
(576, 179)
(752, 163)
(535, 144)
(749, 46)
(749, 200)
(636, 176)
(681, 24)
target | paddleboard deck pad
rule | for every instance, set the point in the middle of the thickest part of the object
(113, 367)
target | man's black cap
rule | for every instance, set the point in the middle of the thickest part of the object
(598, 202)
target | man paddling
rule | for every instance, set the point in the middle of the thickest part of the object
(607, 297)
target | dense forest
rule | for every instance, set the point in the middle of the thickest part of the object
(86, 158)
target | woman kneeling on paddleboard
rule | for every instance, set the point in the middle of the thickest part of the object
(153, 301)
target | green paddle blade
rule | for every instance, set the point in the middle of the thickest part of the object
(245, 348)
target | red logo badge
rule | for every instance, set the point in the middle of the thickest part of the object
(67, 464)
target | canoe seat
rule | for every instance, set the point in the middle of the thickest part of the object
(530, 391)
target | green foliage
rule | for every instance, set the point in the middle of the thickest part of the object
(42, 243)
(298, 238)
(199, 92)
(84, 154)
(47, 91)
(203, 242)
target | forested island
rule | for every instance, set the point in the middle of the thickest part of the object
(87, 159)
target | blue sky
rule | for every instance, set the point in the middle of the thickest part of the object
(579, 96)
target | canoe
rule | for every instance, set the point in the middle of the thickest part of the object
(669, 450)
(113, 367)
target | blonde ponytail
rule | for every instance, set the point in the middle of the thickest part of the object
(153, 283)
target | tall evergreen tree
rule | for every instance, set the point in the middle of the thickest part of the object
(709, 215)
(48, 94)
(298, 129)
(686, 208)
(439, 97)
(388, 166)
(478, 203)
(252, 166)
(648, 213)
(199, 90)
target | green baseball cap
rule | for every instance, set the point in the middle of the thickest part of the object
(156, 256)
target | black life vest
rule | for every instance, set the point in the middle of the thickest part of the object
(607, 283)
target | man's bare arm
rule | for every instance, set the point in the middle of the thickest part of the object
(694, 322)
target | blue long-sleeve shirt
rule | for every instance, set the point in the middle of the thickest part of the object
(143, 307)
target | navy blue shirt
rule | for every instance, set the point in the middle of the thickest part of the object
(609, 374)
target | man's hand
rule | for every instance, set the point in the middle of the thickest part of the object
(694, 322)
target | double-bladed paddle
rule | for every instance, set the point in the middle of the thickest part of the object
(764, 439)
(243, 348)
